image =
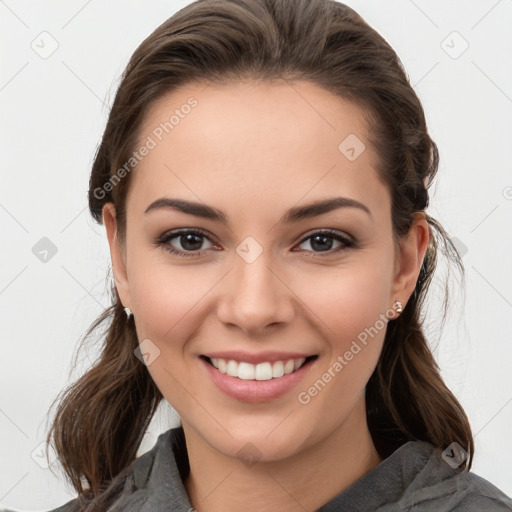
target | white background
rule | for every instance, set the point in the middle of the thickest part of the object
(53, 112)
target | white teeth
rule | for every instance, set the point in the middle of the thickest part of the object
(278, 369)
(246, 371)
(261, 371)
(232, 368)
(298, 363)
(222, 365)
(289, 367)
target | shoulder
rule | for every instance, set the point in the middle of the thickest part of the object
(133, 478)
(440, 487)
(480, 494)
(70, 506)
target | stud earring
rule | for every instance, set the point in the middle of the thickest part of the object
(398, 306)
(128, 312)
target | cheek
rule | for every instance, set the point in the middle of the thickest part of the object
(350, 298)
(167, 299)
(353, 307)
(166, 296)
(339, 382)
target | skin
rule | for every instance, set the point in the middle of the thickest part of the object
(253, 150)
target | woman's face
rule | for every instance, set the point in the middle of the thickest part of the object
(259, 281)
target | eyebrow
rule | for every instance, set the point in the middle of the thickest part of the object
(294, 214)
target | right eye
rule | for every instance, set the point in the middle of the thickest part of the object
(190, 240)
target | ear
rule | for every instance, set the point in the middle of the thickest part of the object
(412, 250)
(117, 253)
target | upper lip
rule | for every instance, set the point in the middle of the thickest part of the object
(260, 357)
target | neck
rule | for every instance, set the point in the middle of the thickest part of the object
(220, 483)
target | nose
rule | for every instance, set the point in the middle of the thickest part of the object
(255, 297)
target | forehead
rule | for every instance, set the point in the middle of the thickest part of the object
(258, 141)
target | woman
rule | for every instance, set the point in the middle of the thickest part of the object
(263, 180)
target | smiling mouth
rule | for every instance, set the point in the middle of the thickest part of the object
(261, 371)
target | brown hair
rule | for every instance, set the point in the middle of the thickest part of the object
(102, 417)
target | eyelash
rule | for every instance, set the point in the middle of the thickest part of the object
(163, 242)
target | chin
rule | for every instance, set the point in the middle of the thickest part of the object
(262, 442)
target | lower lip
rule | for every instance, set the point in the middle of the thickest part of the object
(255, 390)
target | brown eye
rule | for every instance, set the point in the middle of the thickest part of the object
(323, 241)
(184, 243)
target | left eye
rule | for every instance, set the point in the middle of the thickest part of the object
(322, 241)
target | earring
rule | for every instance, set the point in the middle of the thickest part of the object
(398, 306)
(128, 312)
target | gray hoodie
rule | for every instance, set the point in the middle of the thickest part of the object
(414, 478)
